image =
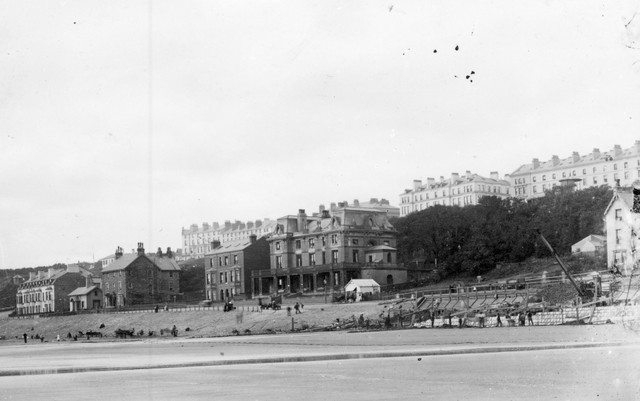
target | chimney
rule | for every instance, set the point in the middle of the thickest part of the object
(555, 160)
(536, 163)
(302, 221)
(431, 182)
(384, 201)
(617, 150)
(333, 207)
(596, 153)
(118, 252)
(215, 244)
(455, 176)
(340, 204)
(50, 272)
(194, 227)
(169, 254)
(356, 203)
(159, 253)
(373, 200)
(73, 268)
(140, 249)
(33, 275)
(205, 226)
(89, 280)
(227, 225)
(258, 223)
(216, 226)
(417, 184)
(441, 178)
(249, 225)
(40, 274)
(494, 175)
(575, 157)
(321, 209)
(253, 238)
(325, 214)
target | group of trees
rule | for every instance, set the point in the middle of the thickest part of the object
(473, 239)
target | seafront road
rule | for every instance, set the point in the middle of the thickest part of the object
(537, 363)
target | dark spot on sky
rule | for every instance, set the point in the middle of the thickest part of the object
(473, 72)
(390, 8)
(74, 22)
(435, 51)
(457, 47)
(467, 77)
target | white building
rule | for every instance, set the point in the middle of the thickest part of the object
(592, 170)
(454, 191)
(622, 229)
(196, 241)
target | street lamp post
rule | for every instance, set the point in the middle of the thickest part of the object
(325, 290)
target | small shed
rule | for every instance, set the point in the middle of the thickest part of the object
(361, 287)
(590, 244)
(85, 298)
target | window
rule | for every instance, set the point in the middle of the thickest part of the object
(298, 260)
(386, 242)
(544, 177)
(231, 276)
(235, 259)
(389, 257)
(356, 256)
(279, 262)
(324, 258)
(170, 274)
(277, 245)
(354, 241)
(626, 165)
(226, 277)
(221, 278)
(334, 256)
(298, 244)
(312, 242)
(618, 236)
(618, 214)
(535, 178)
(615, 166)
(237, 275)
(220, 261)
(226, 260)
(312, 259)
(324, 239)
(334, 239)
(553, 176)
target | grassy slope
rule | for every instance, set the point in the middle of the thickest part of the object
(201, 323)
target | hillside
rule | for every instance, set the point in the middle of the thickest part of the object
(206, 323)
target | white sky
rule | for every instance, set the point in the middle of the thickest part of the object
(123, 122)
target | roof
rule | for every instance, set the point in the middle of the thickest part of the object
(595, 239)
(231, 246)
(83, 290)
(163, 263)
(380, 248)
(625, 196)
(362, 282)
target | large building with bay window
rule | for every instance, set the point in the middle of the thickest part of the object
(322, 252)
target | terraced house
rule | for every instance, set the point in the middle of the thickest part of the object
(46, 292)
(138, 278)
(313, 254)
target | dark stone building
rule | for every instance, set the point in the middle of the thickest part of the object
(137, 278)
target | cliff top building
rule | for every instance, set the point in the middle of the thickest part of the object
(453, 191)
(197, 240)
(618, 166)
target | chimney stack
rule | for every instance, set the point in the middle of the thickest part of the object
(159, 253)
(253, 238)
(215, 244)
(89, 280)
(325, 214)
(356, 203)
(431, 181)
(140, 249)
(302, 221)
(169, 253)
(575, 157)
(118, 252)
(617, 150)
(555, 160)
(596, 154)
(494, 175)
(536, 163)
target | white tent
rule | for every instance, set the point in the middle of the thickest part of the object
(362, 286)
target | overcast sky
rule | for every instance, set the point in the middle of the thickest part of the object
(122, 122)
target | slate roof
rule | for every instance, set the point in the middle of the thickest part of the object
(83, 290)
(163, 263)
(231, 246)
